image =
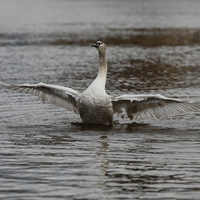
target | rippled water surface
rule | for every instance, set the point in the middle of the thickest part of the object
(46, 152)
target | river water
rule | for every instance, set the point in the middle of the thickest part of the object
(45, 151)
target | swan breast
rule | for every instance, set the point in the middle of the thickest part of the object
(95, 107)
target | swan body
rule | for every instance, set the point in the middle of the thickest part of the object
(96, 107)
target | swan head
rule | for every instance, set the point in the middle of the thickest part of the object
(100, 46)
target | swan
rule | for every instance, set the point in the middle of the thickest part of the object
(95, 106)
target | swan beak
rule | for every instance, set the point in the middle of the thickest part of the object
(95, 45)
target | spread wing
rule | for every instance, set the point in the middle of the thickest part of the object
(140, 107)
(58, 95)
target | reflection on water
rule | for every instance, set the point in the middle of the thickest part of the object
(46, 152)
(129, 161)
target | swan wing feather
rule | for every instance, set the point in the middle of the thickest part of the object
(141, 107)
(58, 95)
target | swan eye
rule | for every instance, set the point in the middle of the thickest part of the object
(98, 44)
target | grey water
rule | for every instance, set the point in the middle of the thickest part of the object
(46, 152)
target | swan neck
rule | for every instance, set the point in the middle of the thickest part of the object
(102, 64)
(100, 81)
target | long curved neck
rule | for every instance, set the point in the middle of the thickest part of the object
(100, 82)
(102, 74)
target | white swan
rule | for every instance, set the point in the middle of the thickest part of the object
(96, 107)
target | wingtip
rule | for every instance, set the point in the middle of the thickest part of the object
(3, 84)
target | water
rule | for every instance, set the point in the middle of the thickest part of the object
(152, 47)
